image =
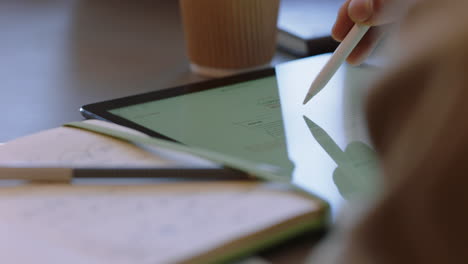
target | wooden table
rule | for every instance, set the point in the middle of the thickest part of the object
(56, 55)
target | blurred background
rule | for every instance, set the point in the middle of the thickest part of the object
(57, 55)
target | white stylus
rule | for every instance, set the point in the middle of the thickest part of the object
(339, 56)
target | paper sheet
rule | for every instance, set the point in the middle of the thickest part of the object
(71, 147)
(162, 223)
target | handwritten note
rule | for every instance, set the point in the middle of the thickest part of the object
(165, 223)
(71, 147)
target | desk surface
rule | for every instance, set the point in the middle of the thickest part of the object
(58, 55)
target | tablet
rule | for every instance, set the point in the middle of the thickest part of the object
(238, 115)
(244, 116)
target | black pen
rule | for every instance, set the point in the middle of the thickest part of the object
(67, 174)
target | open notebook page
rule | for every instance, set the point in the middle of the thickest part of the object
(164, 223)
(71, 147)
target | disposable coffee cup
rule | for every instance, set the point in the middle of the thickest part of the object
(225, 37)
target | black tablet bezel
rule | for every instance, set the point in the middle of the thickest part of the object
(100, 110)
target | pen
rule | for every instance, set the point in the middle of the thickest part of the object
(339, 56)
(67, 174)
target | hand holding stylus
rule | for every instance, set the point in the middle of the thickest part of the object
(335, 61)
(359, 26)
(376, 13)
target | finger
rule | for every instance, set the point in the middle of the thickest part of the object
(343, 23)
(366, 46)
(360, 11)
(378, 12)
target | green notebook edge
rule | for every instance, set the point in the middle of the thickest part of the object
(274, 240)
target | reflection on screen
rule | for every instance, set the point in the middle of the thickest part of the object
(242, 119)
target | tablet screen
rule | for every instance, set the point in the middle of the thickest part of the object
(242, 119)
